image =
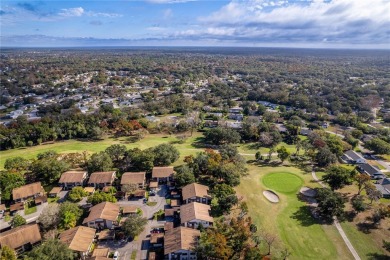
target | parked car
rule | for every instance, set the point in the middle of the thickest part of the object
(116, 255)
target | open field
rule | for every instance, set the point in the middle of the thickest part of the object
(290, 218)
(71, 146)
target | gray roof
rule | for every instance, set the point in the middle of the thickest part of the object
(382, 189)
(367, 168)
(353, 155)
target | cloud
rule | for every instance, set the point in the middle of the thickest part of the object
(169, 1)
(96, 23)
(167, 13)
(338, 21)
(70, 12)
(28, 6)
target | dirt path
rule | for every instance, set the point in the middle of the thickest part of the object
(338, 226)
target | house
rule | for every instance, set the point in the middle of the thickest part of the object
(102, 215)
(193, 214)
(102, 252)
(162, 174)
(178, 243)
(101, 179)
(33, 190)
(129, 210)
(368, 169)
(383, 186)
(107, 234)
(235, 110)
(153, 186)
(195, 192)
(55, 192)
(137, 178)
(72, 179)
(353, 157)
(237, 117)
(2, 210)
(156, 239)
(22, 238)
(79, 239)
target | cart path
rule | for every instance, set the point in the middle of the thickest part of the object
(338, 226)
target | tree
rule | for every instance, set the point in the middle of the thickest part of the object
(77, 194)
(17, 221)
(221, 135)
(358, 203)
(7, 253)
(228, 152)
(386, 245)
(116, 152)
(378, 145)
(213, 245)
(134, 225)
(330, 204)
(70, 214)
(99, 162)
(373, 193)
(52, 249)
(99, 197)
(325, 157)
(184, 175)
(269, 239)
(165, 154)
(362, 180)
(337, 177)
(50, 216)
(48, 168)
(224, 198)
(129, 188)
(16, 164)
(8, 182)
(283, 154)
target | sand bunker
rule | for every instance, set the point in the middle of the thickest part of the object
(308, 192)
(271, 196)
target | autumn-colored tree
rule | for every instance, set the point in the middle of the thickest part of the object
(362, 180)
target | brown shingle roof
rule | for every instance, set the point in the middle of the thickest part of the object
(72, 176)
(79, 238)
(101, 177)
(195, 210)
(101, 252)
(55, 190)
(20, 236)
(129, 209)
(162, 172)
(133, 177)
(2, 206)
(106, 234)
(195, 190)
(27, 190)
(104, 210)
(153, 184)
(180, 238)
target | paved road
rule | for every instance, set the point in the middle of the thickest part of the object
(142, 244)
(338, 226)
(29, 218)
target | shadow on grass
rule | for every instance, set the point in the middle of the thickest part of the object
(303, 215)
(366, 227)
(377, 256)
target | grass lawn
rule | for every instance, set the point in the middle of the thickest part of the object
(151, 203)
(30, 210)
(71, 146)
(133, 255)
(289, 218)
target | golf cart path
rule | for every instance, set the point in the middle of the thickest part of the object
(338, 226)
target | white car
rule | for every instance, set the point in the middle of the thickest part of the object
(116, 255)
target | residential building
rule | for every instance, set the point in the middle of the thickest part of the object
(101, 179)
(368, 169)
(137, 178)
(353, 157)
(79, 239)
(25, 192)
(55, 192)
(22, 238)
(179, 242)
(72, 179)
(103, 215)
(383, 186)
(195, 192)
(162, 174)
(193, 214)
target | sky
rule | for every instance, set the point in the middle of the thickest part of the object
(252, 23)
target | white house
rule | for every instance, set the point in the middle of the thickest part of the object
(193, 214)
(103, 215)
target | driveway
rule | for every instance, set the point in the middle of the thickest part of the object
(142, 244)
(29, 218)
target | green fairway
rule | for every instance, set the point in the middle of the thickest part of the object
(290, 218)
(72, 146)
(283, 182)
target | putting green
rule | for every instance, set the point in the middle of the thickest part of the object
(283, 182)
